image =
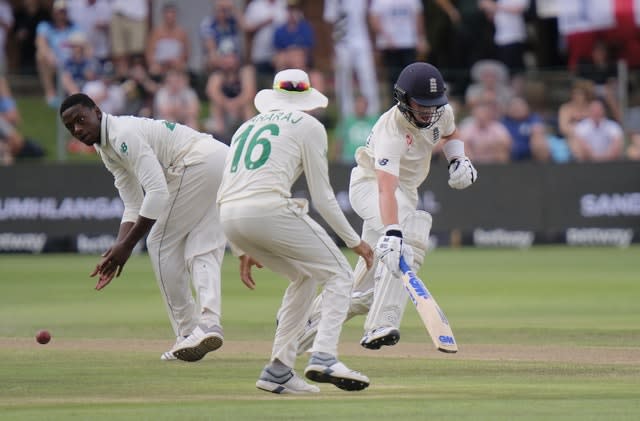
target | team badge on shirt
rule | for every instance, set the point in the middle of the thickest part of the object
(409, 139)
(124, 148)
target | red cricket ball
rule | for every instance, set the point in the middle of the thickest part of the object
(43, 337)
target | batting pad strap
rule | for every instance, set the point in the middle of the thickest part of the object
(453, 149)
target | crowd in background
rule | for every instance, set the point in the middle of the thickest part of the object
(129, 63)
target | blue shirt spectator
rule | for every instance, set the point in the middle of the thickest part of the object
(81, 67)
(57, 37)
(290, 35)
(527, 131)
(221, 33)
(296, 31)
(52, 48)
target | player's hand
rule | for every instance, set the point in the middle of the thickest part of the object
(365, 251)
(462, 173)
(111, 264)
(246, 262)
(388, 250)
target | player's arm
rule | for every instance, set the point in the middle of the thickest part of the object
(316, 170)
(387, 185)
(151, 177)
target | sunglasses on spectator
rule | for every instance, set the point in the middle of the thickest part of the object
(287, 85)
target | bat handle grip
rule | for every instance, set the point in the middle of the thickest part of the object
(404, 267)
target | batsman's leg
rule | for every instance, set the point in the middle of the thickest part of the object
(382, 325)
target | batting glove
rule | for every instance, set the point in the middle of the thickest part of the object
(462, 173)
(389, 248)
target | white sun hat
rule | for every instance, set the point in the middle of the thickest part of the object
(291, 91)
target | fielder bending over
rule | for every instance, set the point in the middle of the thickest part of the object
(261, 220)
(383, 191)
(167, 175)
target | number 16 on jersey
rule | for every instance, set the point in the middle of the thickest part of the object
(430, 312)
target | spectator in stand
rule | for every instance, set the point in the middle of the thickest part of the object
(293, 42)
(230, 90)
(260, 21)
(13, 145)
(602, 71)
(398, 26)
(527, 130)
(598, 68)
(176, 101)
(510, 30)
(559, 150)
(52, 49)
(597, 138)
(109, 95)
(168, 44)
(128, 33)
(633, 150)
(93, 17)
(460, 35)
(6, 23)
(353, 131)
(81, 67)
(8, 109)
(576, 108)
(486, 139)
(490, 78)
(140, 89)
(221, 33)
(353, 54)
(27, 17)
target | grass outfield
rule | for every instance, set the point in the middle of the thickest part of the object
(546, 333)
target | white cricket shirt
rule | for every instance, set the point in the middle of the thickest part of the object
(399, 148)
(269, 152)
(142, 154)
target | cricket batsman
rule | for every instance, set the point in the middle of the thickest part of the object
(383, 191)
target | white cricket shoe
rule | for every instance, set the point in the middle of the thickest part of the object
(325, 368)
(201, 341)
(376, 338)
(168, 356)
(293, 384)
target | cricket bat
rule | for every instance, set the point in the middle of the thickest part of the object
(430, 312)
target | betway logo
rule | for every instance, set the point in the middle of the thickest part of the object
(503, 238)
(615, 204)
(33, 243)
(50, 208)
(599, 237)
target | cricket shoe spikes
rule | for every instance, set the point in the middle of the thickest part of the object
(201, 341)
(168, 356)
(376, 338)
(325, 368)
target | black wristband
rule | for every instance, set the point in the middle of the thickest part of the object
(394, 233)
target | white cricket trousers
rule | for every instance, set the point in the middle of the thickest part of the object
(279, 234)
(187, 243)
